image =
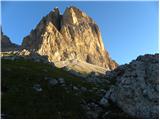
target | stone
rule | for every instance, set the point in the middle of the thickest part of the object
(108, 93)
(75, 88)
(83, 89)
(24, 52)
(104, 102)
(61, 80)
(92, 110)
(37, 87)
(53, 82)
(135, 90)
(105, 114)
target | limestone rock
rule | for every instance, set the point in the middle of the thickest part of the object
(53, 82)
(73, 35)
(136, 91)
(37, 87)
(61, 80)
(104, 102)
(80, 68)
(24, 52)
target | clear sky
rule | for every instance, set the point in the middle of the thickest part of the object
(128, 29)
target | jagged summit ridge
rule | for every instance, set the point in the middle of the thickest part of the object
(73, 35)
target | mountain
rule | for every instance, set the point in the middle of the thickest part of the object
(6, 44)
(41, 78)
(71, 36)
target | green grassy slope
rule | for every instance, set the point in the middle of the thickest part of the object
(20, 100)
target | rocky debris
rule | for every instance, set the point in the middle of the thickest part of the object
(92, 109)
(53, 82)
(136, 90)
(24, 52)
(75, 73)
(75, 88)
(6, 44)
(61, 80)
(37, 87)
(83, 89)
(27, 55)
(93, 79)
(80, 68)
(104, 102)
(73, 35)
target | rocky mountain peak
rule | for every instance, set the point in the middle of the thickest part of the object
(6, 44)
(56, 10)
(5, 39)
(73, 15)
(73, 35)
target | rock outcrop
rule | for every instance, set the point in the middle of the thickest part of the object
(70, 36)
(6, 44)
(137, 87)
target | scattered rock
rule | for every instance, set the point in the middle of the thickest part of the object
(37, 87)
(53, 82)
(75, 88)
(83, 89)
(104, 102)
(24, 52)
(93, 110)
(61, 80)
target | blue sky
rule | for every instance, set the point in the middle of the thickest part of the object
(128, 29)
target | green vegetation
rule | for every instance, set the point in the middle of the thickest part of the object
(20, 100)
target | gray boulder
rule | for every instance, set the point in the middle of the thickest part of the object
(61, 80)
(136, 90)
(37, 87)
(53, 82)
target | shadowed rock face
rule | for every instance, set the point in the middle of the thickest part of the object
(6, 44)
(73, 35)
(137, 87)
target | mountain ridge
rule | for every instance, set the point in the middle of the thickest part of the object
(6, 44)
(62, 37)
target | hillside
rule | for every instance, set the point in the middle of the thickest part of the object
(37, 90)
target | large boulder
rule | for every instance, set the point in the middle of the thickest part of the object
(136, 90)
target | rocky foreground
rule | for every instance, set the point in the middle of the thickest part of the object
(35, 89)
(136, 90)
